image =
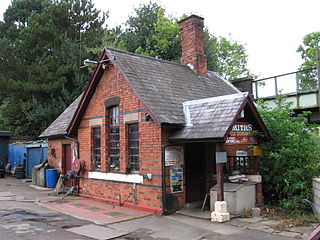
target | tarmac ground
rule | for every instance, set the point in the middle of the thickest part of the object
(35, 213)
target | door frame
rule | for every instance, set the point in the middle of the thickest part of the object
(64, 161)
(201, 174)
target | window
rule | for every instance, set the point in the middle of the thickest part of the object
(114, 139)
(96, 132)
(134, 147)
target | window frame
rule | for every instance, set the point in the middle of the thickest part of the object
(132, 148)
(96, 148)
(114, 138)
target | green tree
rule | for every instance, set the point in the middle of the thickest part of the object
(291, 158)
(111, 38)
(140, 26)
(165, 42)
(42, 46)
(308, 79)
(150, 32)
(226, 57)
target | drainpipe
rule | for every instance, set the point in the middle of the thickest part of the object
(318, 71)
(164, 202)
(134, 196)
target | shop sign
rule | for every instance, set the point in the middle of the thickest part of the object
(257, 151)
(242, 153)
(176, 180)
(174, 156)
(241, 133)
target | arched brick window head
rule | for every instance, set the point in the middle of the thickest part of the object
(111, 102)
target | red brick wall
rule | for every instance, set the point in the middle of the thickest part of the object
(182, 195)
(55, 152)
(113, 84)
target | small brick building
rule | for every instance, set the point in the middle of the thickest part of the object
(147, 129)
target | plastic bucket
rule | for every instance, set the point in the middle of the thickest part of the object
(51, 178)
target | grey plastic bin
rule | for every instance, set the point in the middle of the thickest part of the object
(39, 175)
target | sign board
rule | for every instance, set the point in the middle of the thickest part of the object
(242, 153)
(242, 133)
(257, 151)
(176, 180)
(174, 156)
(221, 157)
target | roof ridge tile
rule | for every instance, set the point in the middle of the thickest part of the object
(147, 57)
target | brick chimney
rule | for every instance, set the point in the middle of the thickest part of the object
(192, 44)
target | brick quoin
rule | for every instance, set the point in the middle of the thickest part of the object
(148, 194)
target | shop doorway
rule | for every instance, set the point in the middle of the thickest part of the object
(195, 160)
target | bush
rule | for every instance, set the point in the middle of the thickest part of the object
(290, 159)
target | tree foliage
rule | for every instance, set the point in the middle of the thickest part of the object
(150, 32)
(226, 57)
(308, 79)
(291, 158)
(42, 46)
(165, 42)
(140, 26)
(44, 42)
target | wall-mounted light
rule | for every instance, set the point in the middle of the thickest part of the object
(94, 64)
(90, 63)
(147, 117)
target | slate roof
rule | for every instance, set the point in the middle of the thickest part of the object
(60, 125)
(163, 86)
(210, 118)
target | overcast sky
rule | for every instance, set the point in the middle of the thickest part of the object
(271, 30)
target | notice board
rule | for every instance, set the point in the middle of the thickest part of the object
(242, 133)
(174, 156)
(176, 180)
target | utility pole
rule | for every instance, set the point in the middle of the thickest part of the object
(318, 64)
(318, 75)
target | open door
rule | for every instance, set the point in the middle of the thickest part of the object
(195, 160)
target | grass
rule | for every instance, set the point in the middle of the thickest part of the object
(289, 220)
